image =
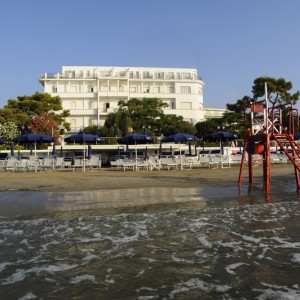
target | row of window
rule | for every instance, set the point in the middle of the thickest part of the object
(132, 75)
(133, 89)
(107, 105)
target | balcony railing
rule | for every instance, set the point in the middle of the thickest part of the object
(118, 75)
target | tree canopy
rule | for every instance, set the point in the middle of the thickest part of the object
(278, 90)
(24, 109)
(137, 115)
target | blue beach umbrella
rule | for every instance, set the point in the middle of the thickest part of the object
(135, 138)
(220, 136)
(180, 137)
(84, 138)
(34, 138)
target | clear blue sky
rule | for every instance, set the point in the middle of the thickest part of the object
(229, 42)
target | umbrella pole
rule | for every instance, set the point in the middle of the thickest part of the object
(180, 156)
(135, 157)
(83, 156)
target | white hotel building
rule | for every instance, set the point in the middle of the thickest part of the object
(90, 93)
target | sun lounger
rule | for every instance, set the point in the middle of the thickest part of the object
(169, 163)
(78, 164)
(210, 162)
(10, 164)
(47, 163)
(94, 162)
(127, 164)
(183, 162)
(141, 163)
(32, 164)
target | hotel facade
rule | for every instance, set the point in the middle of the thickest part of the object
(91, 93)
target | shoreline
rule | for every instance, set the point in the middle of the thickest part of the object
(68, 194)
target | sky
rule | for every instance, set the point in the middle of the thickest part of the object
(229, 42)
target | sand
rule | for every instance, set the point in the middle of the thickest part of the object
(107, 189)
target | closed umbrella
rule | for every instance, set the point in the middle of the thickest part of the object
(12, 150)
(90, 151)
(53, 150)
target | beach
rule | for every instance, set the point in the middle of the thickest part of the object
(107, 191)
(66, 181)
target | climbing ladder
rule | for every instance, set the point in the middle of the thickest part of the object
(265, 125)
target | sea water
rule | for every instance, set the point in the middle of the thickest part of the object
(243, 251)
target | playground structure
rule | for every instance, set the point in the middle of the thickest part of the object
(265, 126)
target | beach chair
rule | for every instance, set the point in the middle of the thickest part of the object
(21, 165)
(153, 163)
(59, 163)
(32, 164)
(225, 162)
(214, 161)
(47, 163)
(10, 164)
(141, 163)
(94, 162)
(127, 163)
(274, 158)
(78, 164)
(183, 162)
(210, 162)
(169, 163)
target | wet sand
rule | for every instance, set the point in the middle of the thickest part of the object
(112, 191)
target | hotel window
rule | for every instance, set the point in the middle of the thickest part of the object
(185, 89)
(170, 89)
(106, 106)
(73, 123)
(173, 104)
(73, 89)
(186, 76)
(73, 105)
(93, 122)
(157, 89)
(92, 105)
(54, 89)
(147, 74)
(170, 75)
(186, 105)
(132, 89)
(160, 75)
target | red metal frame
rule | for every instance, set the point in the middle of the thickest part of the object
(265, 126)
